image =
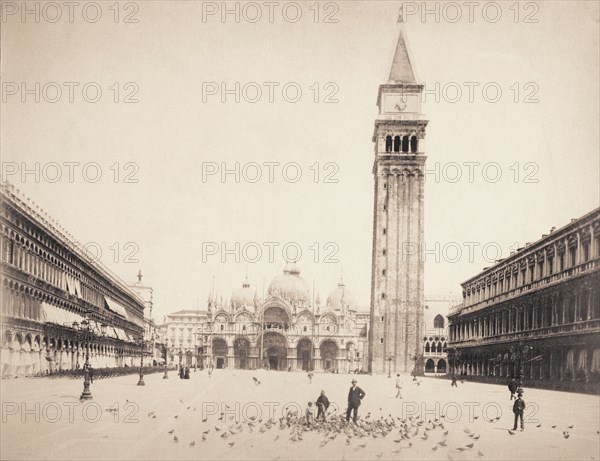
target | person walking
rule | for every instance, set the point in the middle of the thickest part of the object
(398, 386)
(518, 408)
(453, 384)
(322, 405)
(512, 387)
(355, 395)
(310, 376)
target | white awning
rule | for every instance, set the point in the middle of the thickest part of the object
(58, 315)
(116, 307)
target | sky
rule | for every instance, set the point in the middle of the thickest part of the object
(186, 93)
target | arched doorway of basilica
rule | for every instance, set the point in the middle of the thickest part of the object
(220, 352)
(329, 351)
(304, 354)
(275, 351)
(241, 350)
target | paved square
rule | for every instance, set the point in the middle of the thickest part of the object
(181, 419)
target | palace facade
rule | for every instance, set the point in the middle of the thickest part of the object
(435, 335)
(537, 311)
(49, 287)
(284, 331)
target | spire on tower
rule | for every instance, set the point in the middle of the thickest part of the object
(401, 70)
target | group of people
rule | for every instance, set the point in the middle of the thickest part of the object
(355, 396)
(184, 372)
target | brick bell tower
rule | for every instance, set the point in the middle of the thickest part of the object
(397, 293)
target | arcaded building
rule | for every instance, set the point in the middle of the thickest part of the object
(287, 330)
(539, 308)
(49, 286)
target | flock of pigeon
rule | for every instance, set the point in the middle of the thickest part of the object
(404, 432)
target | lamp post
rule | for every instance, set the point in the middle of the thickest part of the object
(165, 348)
(142, 347)
(85, 332)
(390, 366)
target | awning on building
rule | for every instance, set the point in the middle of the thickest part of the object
(58, 315)
(116, 307)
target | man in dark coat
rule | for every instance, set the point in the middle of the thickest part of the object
(355, 395)
(518, 408)
(512, 387)
(322, 405)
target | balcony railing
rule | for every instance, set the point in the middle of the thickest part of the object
(579, 269)
(592, 325)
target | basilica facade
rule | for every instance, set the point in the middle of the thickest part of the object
(286, 330)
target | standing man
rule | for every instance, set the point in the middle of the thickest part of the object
(453, 384)
(398, 386)
(322, 405)
(512, 387)
(355, 395)
(518, 408)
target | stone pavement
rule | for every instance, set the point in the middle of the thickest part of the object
(181, 419)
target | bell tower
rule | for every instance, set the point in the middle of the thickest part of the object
(397, 293)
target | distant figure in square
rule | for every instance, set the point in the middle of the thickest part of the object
(355, 395)
(310, 376)
(186, 373)
(518, 408)
(322, 405)
(310, 414)
(398, 386)
(512, 387)
(453, 384)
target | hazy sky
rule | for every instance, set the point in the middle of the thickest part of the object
(164, 140)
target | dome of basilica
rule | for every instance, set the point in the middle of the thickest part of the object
(290, 286)
(243, 296)
(341, 297)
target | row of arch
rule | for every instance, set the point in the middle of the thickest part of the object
(401, 144)
(570, 363)
(435, 347)
(29, 354)
(277, 354)
(435, 366)
(566, 307)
